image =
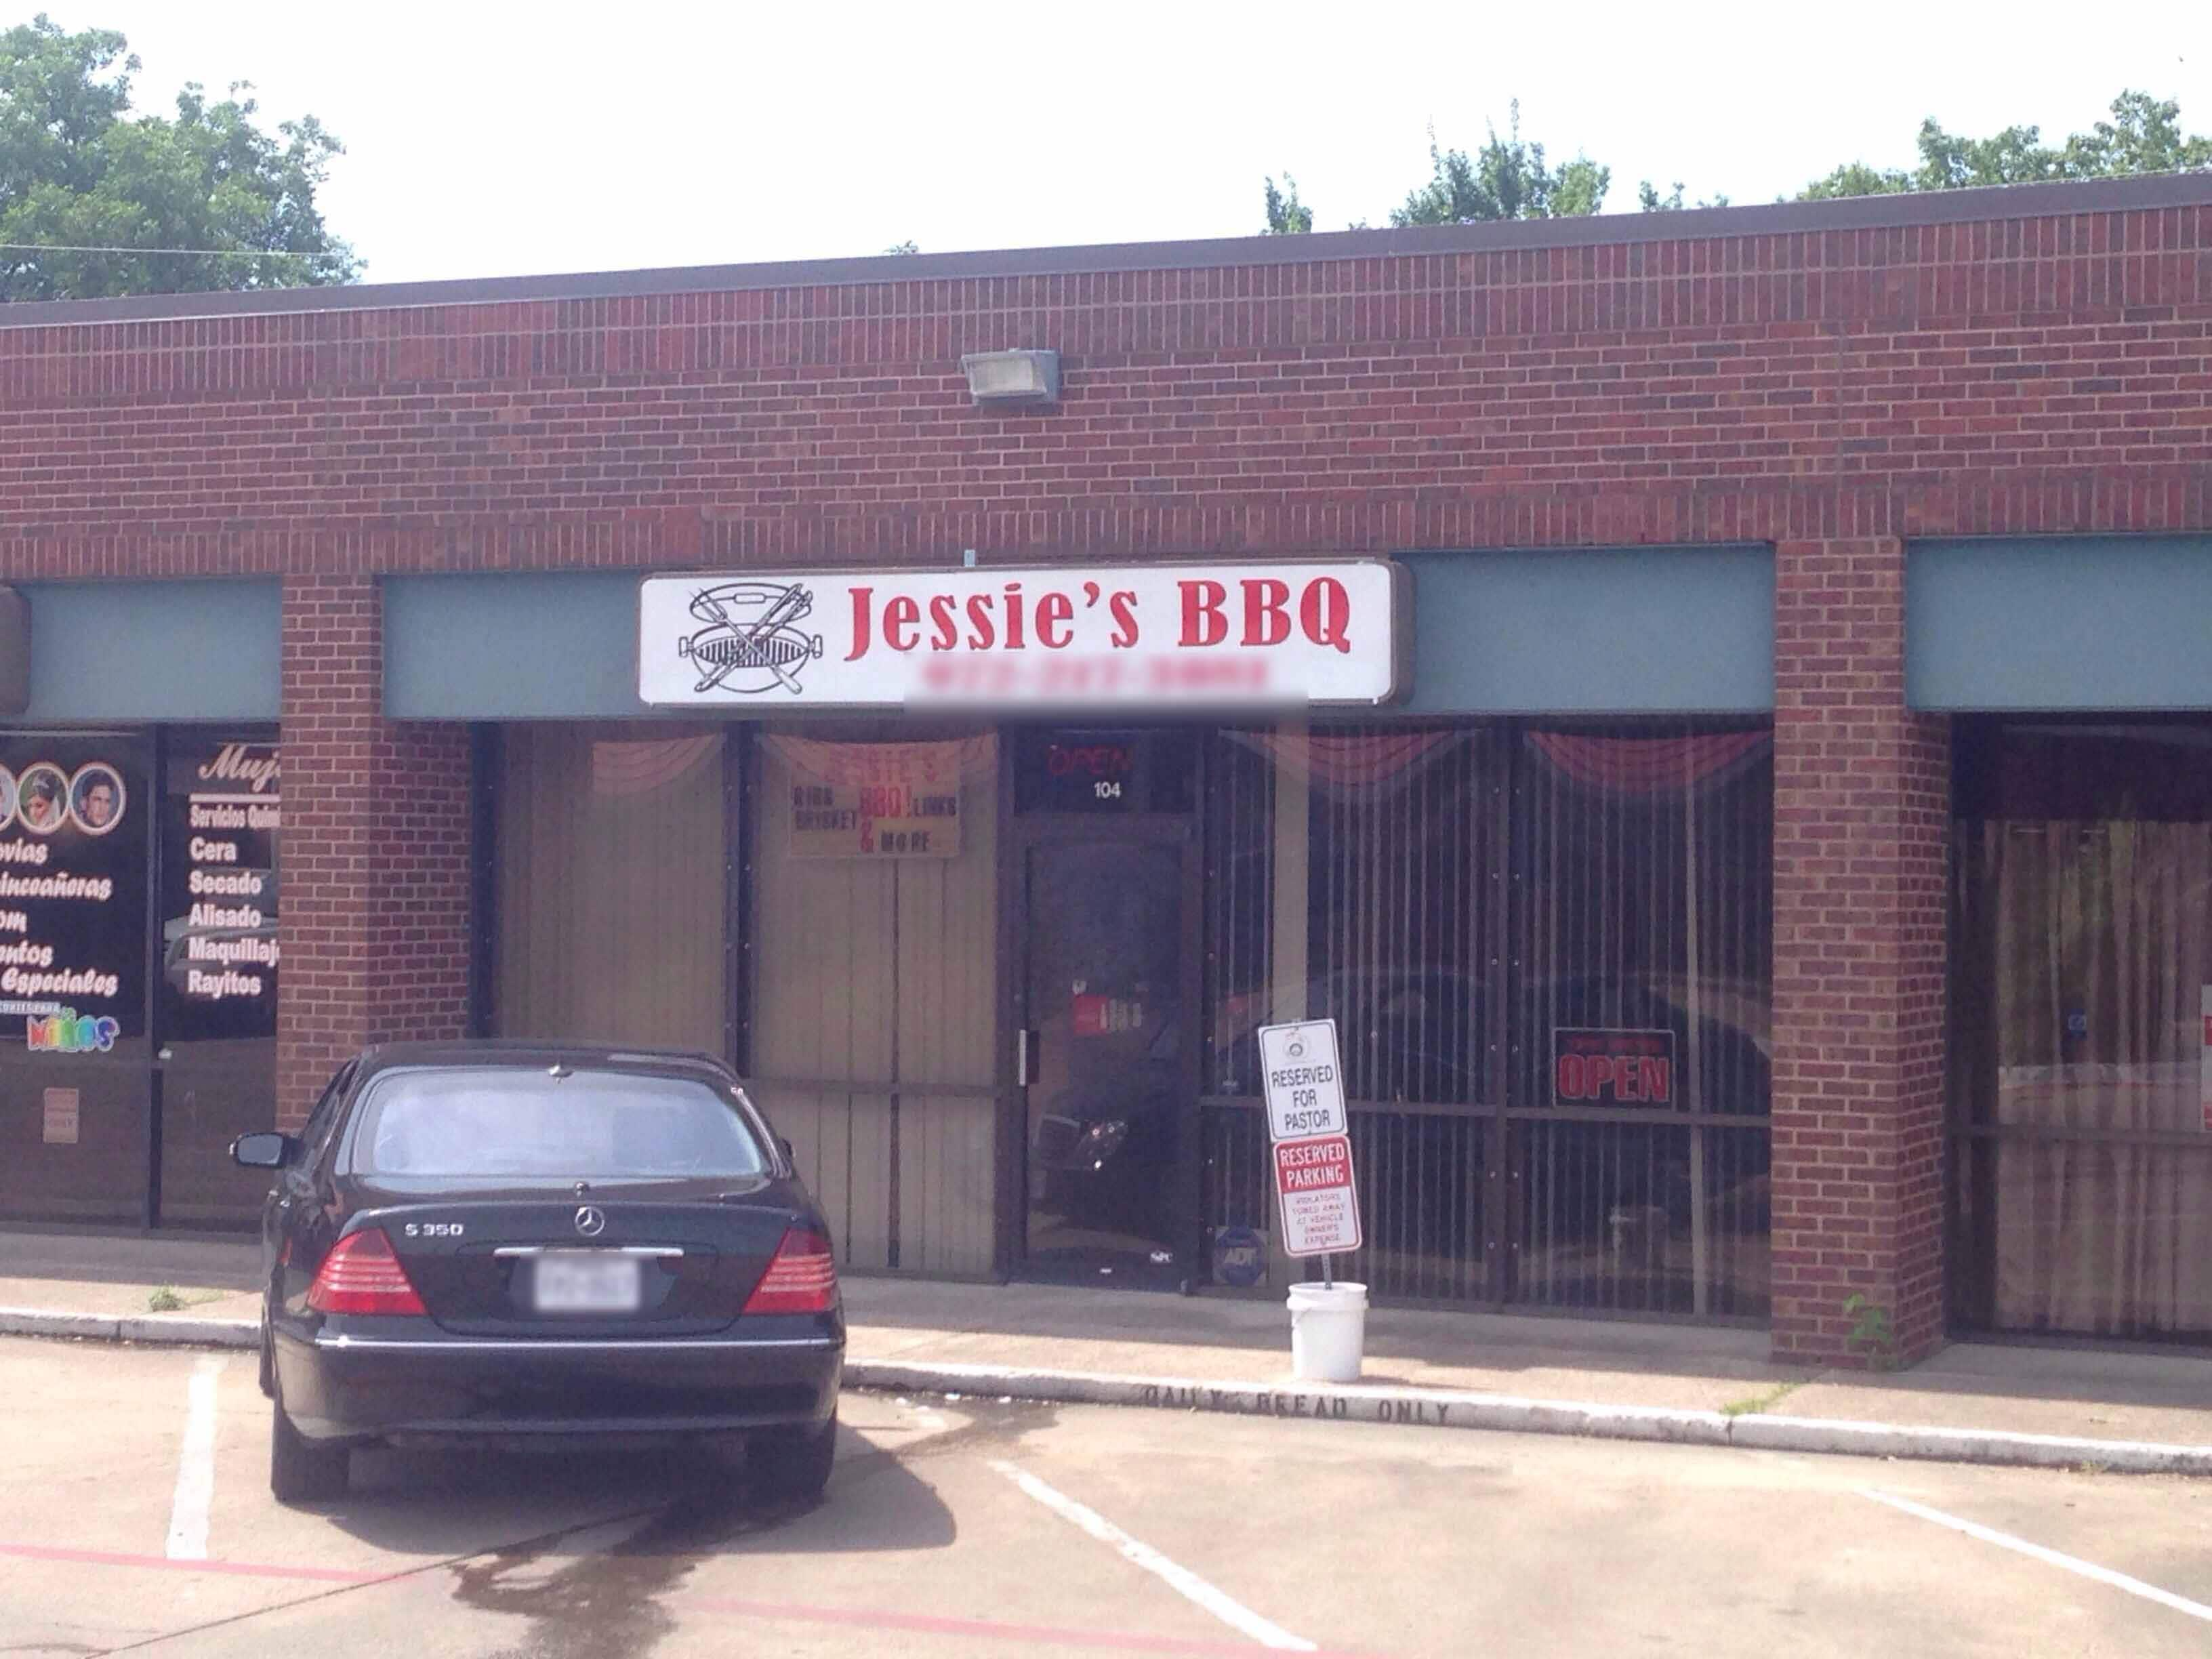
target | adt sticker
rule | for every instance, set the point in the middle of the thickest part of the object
(1240, 1256)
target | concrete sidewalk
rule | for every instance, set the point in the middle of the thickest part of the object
(1650, 1380)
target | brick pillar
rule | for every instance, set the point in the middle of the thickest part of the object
(374, 919)
(1862, 810)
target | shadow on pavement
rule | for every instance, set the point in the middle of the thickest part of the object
(622, 1531)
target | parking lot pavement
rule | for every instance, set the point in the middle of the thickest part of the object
(138, 1517)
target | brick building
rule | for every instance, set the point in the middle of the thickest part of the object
(1758, 855)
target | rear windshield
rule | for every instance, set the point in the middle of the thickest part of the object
(487, 1121)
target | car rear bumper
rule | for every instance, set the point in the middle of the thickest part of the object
(360, 1388)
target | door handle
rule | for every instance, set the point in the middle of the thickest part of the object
(1025, 1053)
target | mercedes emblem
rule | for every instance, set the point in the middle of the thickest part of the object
(591, 1221)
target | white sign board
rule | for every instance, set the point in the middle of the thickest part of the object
(1288, 634)
(2204, 1062)
(60, 1117)
(1305, 1085)
(1315, 1194)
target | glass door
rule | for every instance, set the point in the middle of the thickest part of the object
(1106, 1051)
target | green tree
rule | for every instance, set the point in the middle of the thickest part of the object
(80, 176)
(2143, 136)
(1287, 214)
(1648, 200)
(1506, 178)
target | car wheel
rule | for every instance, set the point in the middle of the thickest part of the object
(795, 1465)
(300, 1471)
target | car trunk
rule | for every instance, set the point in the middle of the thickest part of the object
(667, 1258)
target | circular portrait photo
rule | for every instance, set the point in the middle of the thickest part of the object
(42, 798)
(7, 797)
(96, 798)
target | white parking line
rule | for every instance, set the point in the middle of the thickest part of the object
(1231, 1613)
(188, 1513)
(2048, 1556)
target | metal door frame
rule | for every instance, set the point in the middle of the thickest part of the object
(1019, 836)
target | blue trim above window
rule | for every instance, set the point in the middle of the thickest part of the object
(1622, 630)
(130, 650)
(2059, 622)
(528, 645)
(1633, 630)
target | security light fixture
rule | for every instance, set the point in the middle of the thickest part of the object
(1013, 377)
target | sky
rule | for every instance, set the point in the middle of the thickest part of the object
(486, 139)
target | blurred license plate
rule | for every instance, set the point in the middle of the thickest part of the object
(586, 1284)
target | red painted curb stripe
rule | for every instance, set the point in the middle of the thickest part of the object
(797, 1612)
(237, 1569)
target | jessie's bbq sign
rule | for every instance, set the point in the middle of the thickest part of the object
(1612, 1068)
(1321, 633)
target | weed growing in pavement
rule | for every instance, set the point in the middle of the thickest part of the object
(1871, 1332)
(1760, 1402)
(165, 1300)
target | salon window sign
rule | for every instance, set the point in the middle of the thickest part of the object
(221, 813)
(73, 841)
(1292, 633)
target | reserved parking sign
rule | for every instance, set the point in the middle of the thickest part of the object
(1311, 1138)
(1314, 1191)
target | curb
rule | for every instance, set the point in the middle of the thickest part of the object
(1442, 1408)
(178, 1330)
(1350, 1402)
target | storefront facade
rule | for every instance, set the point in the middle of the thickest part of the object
(1710, 703)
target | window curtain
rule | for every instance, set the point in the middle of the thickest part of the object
(2097, 944)
(610, 873)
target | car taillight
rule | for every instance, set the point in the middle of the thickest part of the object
(803, 1278)
(361, 1275)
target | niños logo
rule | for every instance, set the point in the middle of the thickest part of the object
(69, 1032)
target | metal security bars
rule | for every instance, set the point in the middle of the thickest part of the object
(1476, 905)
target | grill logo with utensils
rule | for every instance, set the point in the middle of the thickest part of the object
(752, 642)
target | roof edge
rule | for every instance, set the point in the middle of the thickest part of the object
(1985, 203)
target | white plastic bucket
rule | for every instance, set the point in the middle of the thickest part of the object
(1328, 1330)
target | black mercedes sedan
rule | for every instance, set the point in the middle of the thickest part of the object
(515, 1245)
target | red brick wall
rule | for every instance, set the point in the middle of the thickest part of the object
(1861, 812)
(375, 919)
(2037, 374)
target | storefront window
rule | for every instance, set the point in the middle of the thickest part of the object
(1641, 872)
(2081, 1009)
(215, 1002)
(74, 1049)
(1547, 951)
(609, 879)
(874, 884)
(124, 1090)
